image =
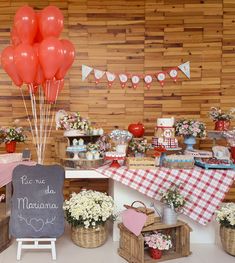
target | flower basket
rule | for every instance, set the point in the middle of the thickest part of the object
(90, 237)
(227, 236)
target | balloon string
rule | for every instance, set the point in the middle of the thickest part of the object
(28, 117)
(42, 112)
(33, 112)
(53, 108)
(36, 121)
(47, 119)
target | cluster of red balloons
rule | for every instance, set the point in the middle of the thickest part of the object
(36, 56)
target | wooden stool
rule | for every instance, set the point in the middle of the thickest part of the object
(36, 245)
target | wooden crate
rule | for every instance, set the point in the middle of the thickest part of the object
(82, 163)
(4, 228)
(140, 163)
(132, 247)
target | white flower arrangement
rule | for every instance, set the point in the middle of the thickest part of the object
(158, 240)
(226, 215)
(173, 198)
(88, 209)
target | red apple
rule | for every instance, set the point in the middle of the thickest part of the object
(137, 129)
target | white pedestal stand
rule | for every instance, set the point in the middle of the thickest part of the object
(33, 243)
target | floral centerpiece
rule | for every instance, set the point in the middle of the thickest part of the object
(222, 119)
(10, 136)
(72, 121)
(174, 202)
(87, 212)
(139, 146)
(157, 242)
(226, 217)
(190, 129)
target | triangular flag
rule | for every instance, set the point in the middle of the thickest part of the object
(86, 71)
(110, 77)
(185, 68)
(98, 75)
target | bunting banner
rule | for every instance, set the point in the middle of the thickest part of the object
(123, 79)
(98, 75)
(86, 70)
(185, 68)
(148, 79)
(136, 78)
(110, 77)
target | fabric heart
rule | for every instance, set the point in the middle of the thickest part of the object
(36, 224)
(133, 220)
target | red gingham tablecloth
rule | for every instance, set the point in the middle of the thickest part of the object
(203, 189)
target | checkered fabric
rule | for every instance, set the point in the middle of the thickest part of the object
(203, 189)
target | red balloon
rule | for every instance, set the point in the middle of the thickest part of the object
(26, 62)
(51, 22)
(38, 38)
(25, 22)
(33, 89)
(39, 78)
(52, 89)
(7, 61)
(15, 37)
(69, 55)
(50, 56)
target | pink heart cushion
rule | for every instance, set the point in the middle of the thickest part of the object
(133, 220)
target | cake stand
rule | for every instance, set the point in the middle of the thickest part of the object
(115, 163)
(75, 152)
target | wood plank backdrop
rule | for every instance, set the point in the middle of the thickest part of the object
(137, 36)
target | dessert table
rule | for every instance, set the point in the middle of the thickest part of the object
(204, 190)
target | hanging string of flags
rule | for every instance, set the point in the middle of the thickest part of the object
(136, 78)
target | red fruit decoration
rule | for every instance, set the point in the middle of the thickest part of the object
(136, 129)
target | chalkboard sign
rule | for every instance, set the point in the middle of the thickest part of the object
(37, 201)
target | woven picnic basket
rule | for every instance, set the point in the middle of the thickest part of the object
(89, 237)
(143, 209)
(227, 236)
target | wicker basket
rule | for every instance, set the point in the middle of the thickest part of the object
(90, 237)
(227, 236)
(148, 211)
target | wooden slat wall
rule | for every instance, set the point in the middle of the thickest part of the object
(138, 36)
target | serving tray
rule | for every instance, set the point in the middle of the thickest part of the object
(214, 166)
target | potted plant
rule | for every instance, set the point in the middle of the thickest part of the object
(88, 212)
(222, 119)
(10, 136)
(173, 202)
(139, 146)
(226, 217)
(157, 242)
(190, 129)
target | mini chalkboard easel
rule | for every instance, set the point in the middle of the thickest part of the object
(37, 216)
(35, 243)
